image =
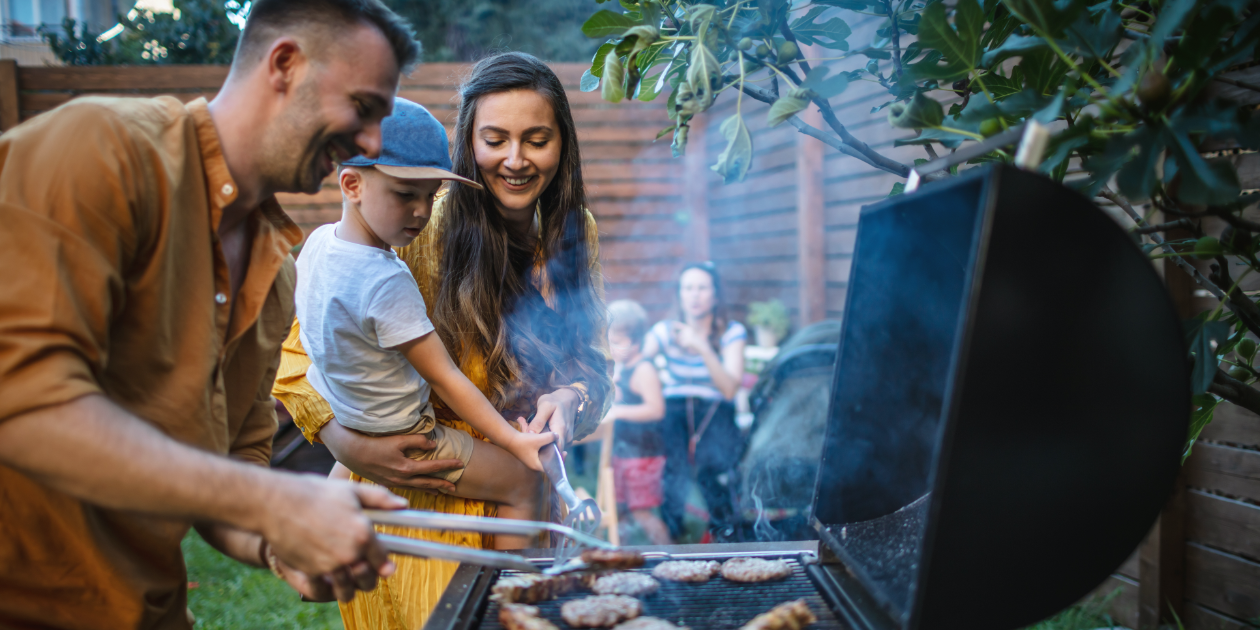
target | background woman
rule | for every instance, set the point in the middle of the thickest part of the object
(511, 278)
(704, 354)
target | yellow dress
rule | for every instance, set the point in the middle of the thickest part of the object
(404, 600)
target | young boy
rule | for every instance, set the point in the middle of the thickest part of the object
(374, 351)
(638, 448)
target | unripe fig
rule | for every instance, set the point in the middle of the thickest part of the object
(745, 43)
(788, 51)
(1242, 374)
(762, 50)
(990, 127)
(1207, 248)
(1155, 90)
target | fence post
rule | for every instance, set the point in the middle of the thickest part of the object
(811, 241)
(10, 109)
(1162, 558)
(696, 192)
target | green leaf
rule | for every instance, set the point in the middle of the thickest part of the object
(921, 112)
(1001, 87)
(818, 83)
(1094, 41)
(1205, 339)
(732, 164)
(597, 64)
(1050, 17)
(947, 139)
(836, 30)
(590, 82)
(960, 48)
(701, 69)
(1043, 71)
(679, 145)
(612, 86)
(605, 23)
(1171, 16)
(664, 132)
(1063, 143)
(1014, 46)
(1205, 406)
(787, 106)
(897, 189)
(1137, 179)
(1213, 183)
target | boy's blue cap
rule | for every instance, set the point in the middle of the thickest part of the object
(413, 146)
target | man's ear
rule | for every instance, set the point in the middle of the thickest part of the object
(351, 181)
(284, 60)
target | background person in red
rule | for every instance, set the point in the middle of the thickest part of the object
(638, 449)
(148, 289)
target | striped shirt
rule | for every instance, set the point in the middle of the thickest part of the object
(685, 373)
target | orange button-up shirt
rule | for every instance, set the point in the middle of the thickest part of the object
(115, 283)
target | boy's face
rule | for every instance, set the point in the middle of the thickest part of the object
(394, 210)
(621, 346)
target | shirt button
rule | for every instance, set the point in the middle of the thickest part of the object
(220, 298)
(227, 189)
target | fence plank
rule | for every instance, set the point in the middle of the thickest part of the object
(10, 110)
(1236, 93)
(1224, 523)
(121, 78)
(1235, 425)
(1223, 582)
(1202, 618)
(1231, 470)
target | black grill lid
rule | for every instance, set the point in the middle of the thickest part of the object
(1010, 403)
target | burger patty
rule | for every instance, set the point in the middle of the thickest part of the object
(600, 611)
(755, 570)
(787, 616)
(528, 588)
(649, 623)
(686, 570)
(602, 559)
(626, 583)
(523, 617)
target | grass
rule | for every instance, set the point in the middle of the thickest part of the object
(233, 596)
(1081, 616)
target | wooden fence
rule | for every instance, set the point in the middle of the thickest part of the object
(788, 232)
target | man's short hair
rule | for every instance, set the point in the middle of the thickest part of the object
(269, 19)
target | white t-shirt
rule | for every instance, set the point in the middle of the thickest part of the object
(354, 302)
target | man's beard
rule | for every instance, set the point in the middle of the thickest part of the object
(294, 146)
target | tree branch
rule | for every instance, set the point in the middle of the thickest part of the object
(1235, 391)
(1242, 306)
(1162, 227)
(896, 38)
(874, 157)
(766, 97)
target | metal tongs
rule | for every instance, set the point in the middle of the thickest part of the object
(486, 525)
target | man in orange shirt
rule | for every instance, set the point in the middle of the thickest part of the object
(147, 290)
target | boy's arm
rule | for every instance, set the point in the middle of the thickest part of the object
(430, 358)
(647, 385)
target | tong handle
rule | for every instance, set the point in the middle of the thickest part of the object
(429, 549)
(457, 522)
(553, 465)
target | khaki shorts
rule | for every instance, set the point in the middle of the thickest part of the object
(450, 443)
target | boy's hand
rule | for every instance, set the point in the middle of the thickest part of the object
(525, 446)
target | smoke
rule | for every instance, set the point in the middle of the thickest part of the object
(762, 529)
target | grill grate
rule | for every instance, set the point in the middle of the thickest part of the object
(717, 604)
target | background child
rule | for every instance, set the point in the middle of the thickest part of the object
(365, 326)
(638, 448)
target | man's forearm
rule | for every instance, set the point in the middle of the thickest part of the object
(237, 544)
(92, 449)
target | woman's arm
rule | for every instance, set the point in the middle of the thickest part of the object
(382, 460)
(430, 358)
(647, 384)
(725, 370)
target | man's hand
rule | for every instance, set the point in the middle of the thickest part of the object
(557, 412)
(384, 460)
(317, 527)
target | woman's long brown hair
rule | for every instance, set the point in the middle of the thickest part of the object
(721, 320)
(486, 300)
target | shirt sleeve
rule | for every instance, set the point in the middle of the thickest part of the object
(66, 204)
(309, 410)
(734, 332)
(396, 311)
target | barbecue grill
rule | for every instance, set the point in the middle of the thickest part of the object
(1004, 426)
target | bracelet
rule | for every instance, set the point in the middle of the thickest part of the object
(269, 558)
(582, 397)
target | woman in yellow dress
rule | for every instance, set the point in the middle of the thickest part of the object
(510, 276)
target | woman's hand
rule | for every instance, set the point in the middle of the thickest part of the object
(384, 460)
(557, 411)
(525, 446)
(688, 339)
